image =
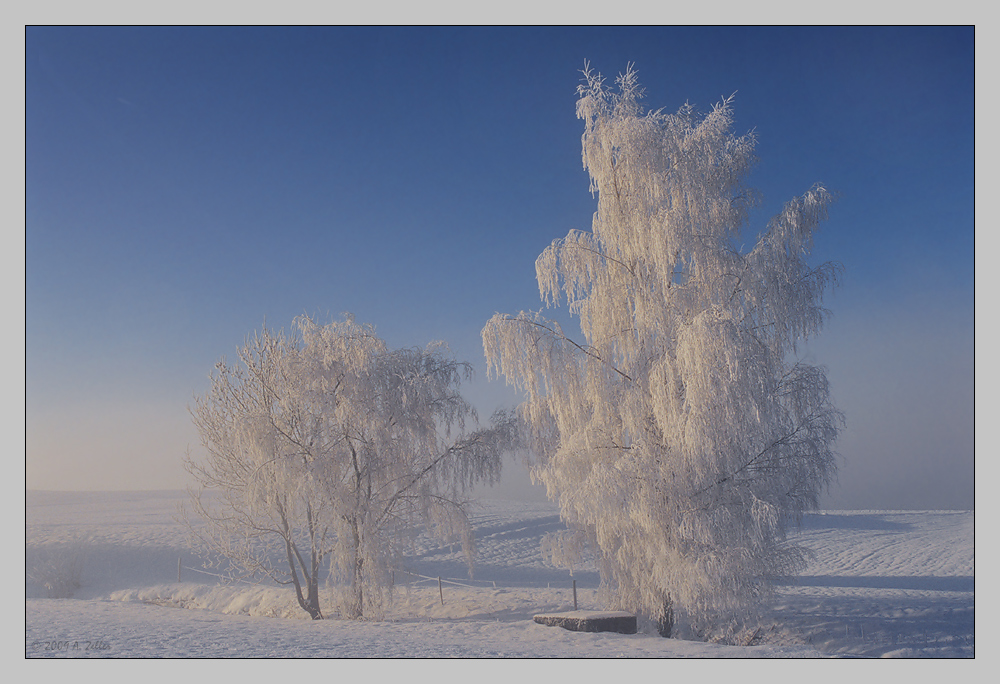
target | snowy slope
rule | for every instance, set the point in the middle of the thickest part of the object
(880, 584)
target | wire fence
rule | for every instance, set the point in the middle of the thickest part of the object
(420, 580)
(448, 580)
(478, 584)
(225, 578)
(441, 581)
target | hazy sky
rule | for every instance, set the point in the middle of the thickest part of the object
(185, 185)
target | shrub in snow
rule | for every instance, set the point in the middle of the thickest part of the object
(330, 449)
(678, 434)
(56, 568)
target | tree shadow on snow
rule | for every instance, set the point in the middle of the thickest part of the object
(917, 582)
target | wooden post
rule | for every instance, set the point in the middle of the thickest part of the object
(178, 570)
(440, 590)
(574, 594)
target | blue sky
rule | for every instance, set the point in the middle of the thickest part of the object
(185, 185)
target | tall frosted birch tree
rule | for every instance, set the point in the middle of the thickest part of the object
(677, 431)
(326, 450)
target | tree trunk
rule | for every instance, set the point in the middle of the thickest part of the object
(359, 586)
(665, 621)
(310, 604)
(312, 578)
(356, 608)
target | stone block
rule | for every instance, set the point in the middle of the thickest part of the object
(591, 621)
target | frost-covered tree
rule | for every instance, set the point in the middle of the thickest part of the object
(679, 434)
(336, 448)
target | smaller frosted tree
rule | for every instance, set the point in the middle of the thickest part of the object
(327, 449)
(679, 435)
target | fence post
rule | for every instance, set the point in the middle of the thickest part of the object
(178, 570)
(440, 590)
(574, 594)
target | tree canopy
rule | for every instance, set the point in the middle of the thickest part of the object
(327, 447)
(678, 433)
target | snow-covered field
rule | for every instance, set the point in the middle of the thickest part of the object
(882, 583)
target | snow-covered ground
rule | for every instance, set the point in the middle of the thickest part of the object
(881, 583)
